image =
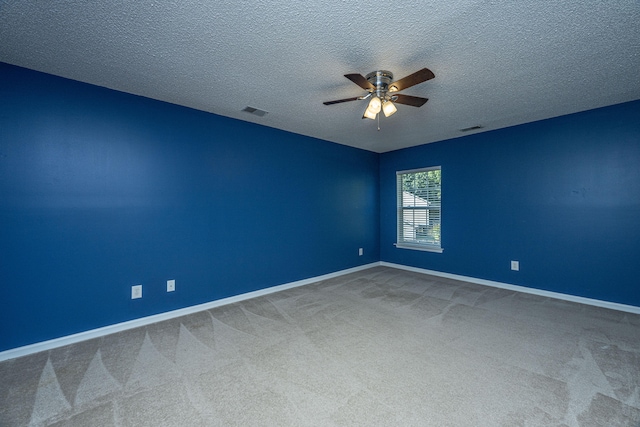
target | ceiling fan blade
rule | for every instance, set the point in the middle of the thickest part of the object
(360, 81)
(414, 101)
(411, 80)
(338, 101)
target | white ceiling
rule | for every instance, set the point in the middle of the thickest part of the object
(497, 63)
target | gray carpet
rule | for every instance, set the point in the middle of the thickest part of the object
(382, 347)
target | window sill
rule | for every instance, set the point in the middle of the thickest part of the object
(425, 248)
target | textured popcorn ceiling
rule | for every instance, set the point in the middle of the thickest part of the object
(497, 63)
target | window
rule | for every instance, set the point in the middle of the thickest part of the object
(419, 194)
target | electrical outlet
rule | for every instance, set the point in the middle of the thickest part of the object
(515, 265)
(360, 252)
(136, 291)
(171, 285)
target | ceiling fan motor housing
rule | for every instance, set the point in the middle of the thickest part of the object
(380, 79)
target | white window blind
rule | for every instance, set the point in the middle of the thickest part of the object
(419, 193)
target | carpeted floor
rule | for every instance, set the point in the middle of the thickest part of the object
(381, 347)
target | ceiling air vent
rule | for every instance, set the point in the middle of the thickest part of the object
(254, 111)
(471, 128)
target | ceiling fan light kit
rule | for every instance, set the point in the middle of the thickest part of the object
(382, 90)
(388, 108)
(369, 114)
(374, 108)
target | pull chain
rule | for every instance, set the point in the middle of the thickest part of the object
(378, 121)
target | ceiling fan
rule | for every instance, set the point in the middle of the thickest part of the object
(383, 91)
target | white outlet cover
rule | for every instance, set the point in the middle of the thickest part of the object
(171, 285)
(515, 265)
(360, 251)
(136, 291)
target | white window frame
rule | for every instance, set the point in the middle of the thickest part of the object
(432, 204)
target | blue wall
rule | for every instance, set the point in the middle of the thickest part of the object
(562, 196)
(101, 190)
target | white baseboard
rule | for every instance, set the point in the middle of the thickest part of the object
(136, 323)
(107, 330)
(517, 288)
